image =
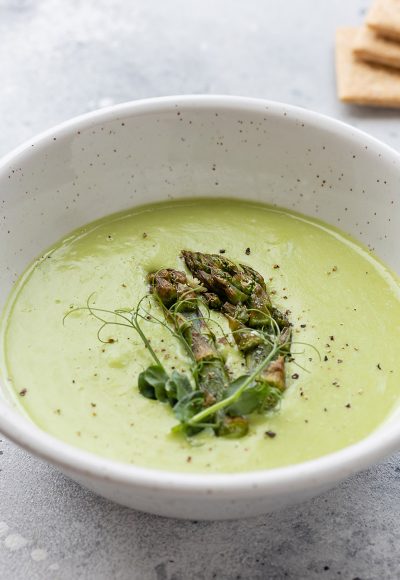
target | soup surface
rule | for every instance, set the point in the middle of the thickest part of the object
(344, 306)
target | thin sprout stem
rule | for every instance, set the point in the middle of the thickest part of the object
(300, 366)
(266, 339)
(92, 311)
(179, 334)
(112, 312)
(187, 346)
(108, 324)
(310, 345)
(209, 320)
(113, 324)
(146, 341)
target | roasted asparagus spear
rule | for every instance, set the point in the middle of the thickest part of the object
(180, 302)
(241, 294)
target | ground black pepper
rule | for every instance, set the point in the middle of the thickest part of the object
(270, 434)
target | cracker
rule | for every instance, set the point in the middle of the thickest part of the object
(361, 82)
(373, 48)
(384, 18)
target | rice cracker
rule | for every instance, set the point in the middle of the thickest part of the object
(374, 48)
(384, 18)
(360, 82)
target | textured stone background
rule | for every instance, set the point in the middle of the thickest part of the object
(59, 58)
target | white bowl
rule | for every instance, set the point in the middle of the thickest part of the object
(153, 150)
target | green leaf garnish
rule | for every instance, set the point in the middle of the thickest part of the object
(152, 383)
(177, 387)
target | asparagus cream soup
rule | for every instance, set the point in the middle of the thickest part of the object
(205, 336)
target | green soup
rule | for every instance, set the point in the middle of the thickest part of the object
(342, 301)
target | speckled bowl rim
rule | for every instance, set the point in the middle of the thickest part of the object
(317, 472)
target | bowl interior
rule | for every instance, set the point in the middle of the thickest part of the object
(194, 147)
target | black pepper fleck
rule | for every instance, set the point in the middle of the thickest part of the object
(270, 434)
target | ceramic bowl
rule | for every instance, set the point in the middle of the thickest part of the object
(160, 149)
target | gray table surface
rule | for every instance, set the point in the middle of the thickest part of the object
(60, 58)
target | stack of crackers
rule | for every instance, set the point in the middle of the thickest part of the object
(368, 58)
